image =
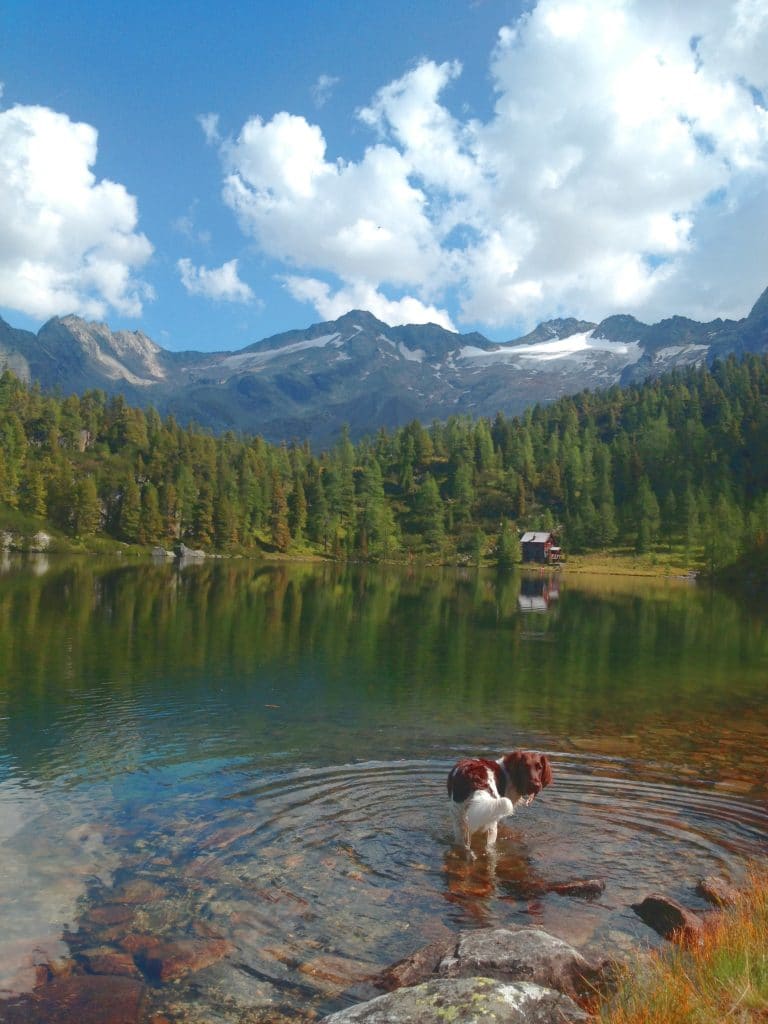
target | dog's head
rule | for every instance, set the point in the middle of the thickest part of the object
(528, 771)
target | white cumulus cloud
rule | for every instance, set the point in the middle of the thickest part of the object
(626, 142)
(68, 243)
(363, 295)
(221, 283)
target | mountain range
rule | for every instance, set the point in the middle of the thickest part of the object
(305, 384)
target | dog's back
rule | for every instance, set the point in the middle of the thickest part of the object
(473, 775)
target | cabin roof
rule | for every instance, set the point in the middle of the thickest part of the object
(533, 537)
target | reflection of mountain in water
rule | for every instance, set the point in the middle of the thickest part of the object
(537, 593)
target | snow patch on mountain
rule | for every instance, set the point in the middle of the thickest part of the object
(575, 346)
(677, 354)
(252, 360)
(416, 355)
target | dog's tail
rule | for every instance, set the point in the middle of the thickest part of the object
(485, 809)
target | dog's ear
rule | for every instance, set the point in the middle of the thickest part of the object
(514, 764)
(546, 770)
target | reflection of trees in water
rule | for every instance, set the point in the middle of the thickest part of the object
(447, 644)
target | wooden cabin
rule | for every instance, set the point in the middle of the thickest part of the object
(538, 547)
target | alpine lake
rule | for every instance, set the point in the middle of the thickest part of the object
(227, 779)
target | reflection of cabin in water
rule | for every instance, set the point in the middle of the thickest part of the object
(537, 593)
(539, 547)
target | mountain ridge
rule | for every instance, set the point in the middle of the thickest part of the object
(357, 370)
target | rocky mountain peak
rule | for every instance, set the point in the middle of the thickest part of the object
(357, 370)
(760, 309)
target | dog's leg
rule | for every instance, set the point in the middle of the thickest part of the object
(490, 835)
(466, 839)
(461, 829)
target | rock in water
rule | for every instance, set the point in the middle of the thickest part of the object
(718, 891)
(670, 918)
(87, 999)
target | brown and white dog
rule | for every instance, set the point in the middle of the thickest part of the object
(482, 791)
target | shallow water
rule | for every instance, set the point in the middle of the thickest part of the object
(251, 761)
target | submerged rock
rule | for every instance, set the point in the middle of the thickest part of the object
(108, 915)
(336, 973)
(587, 888)
(87, 999)
(168, 961)
(139, 892)
(670, 918)
(468, 1000)
(416, 968)
(109, 961)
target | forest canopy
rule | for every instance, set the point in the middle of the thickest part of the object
(681, 460)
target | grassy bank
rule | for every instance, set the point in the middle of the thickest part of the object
(724, 979)
(623, 562)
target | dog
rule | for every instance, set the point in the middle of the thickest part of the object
(482, 791)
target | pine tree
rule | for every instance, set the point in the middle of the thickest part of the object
(150, 520)
(508, 551)
(280, 530)
(463, 493)
(202, 516)
(32, 496)
(130, 512)
(225, 523)
(723, 535)
(297, 510)
(429, 508)
(647, 517)
(607, 529)
(87, 510)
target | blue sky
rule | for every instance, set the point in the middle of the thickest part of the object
(215, 175)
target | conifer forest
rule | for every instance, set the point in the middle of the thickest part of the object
(679, 461)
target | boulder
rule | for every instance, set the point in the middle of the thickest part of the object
(190, 554)
(523, 954)
(40, 542)
(718, 891)
(469, 1000)
(527, 954)
(670, 918)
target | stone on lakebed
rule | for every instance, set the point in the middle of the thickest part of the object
(87, 999)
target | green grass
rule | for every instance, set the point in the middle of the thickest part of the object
(625, 562)
(722, 980)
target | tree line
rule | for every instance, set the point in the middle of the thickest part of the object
(680, 461)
